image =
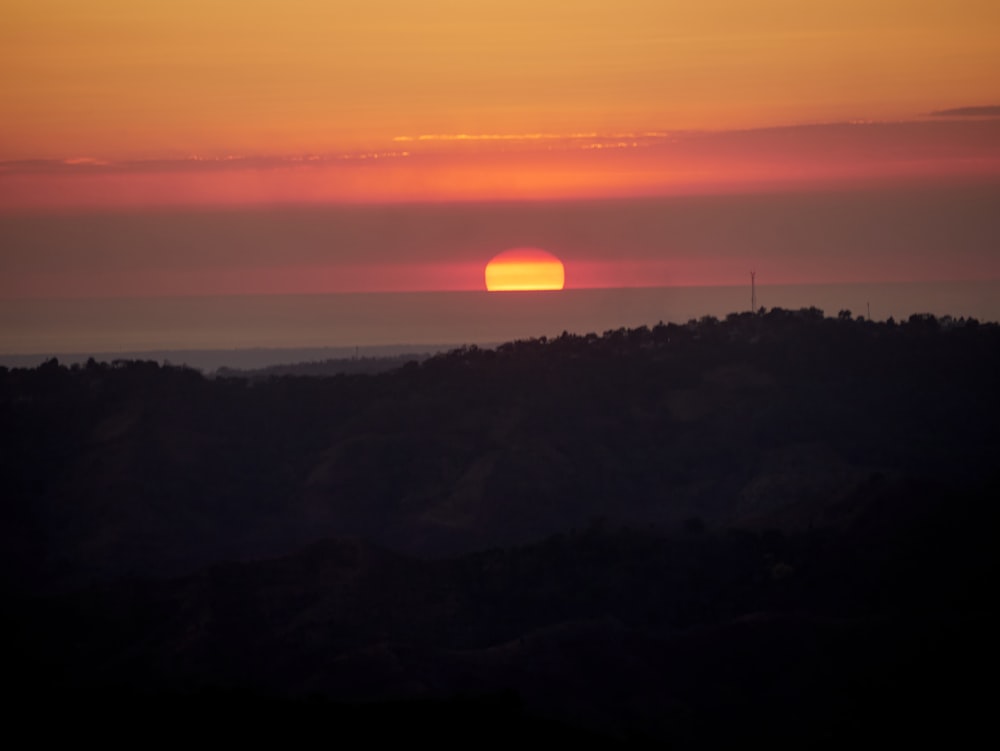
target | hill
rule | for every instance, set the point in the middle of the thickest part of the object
(776, 518)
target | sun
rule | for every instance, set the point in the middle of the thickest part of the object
(522, 269)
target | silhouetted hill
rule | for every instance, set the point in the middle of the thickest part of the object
(246, 361)
(779, 420)
(780, 519)
(328, 367)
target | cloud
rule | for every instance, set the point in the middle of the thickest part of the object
(568, 141)
(526, 166)
(87, 161)
(192, 163)
(988, 111)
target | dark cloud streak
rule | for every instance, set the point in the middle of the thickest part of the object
(992, 110)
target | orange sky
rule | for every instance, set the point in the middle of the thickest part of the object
(116, 78)
(143, 90)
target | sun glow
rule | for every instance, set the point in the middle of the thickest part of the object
(524, 269)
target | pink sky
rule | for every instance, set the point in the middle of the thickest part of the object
(883, 233)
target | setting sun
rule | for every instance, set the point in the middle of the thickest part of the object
(524, 269)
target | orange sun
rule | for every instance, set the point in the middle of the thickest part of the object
(520, 269)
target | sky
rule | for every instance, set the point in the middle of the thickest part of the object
(302, 146)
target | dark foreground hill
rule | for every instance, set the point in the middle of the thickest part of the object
(775, 526)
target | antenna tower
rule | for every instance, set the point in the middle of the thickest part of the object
(753, 291)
